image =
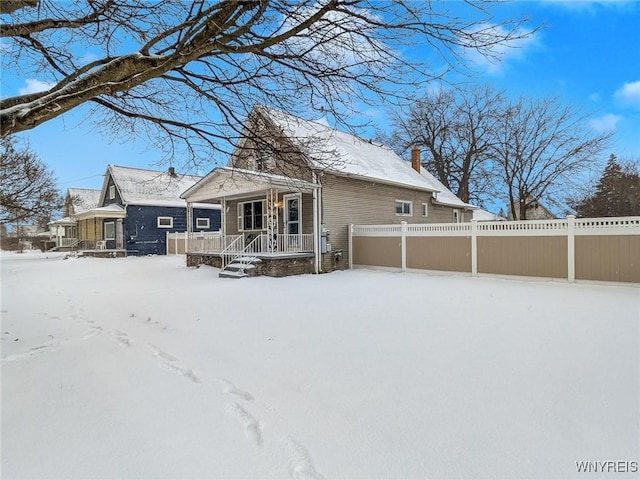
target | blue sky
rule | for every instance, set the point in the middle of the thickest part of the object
(587, 53)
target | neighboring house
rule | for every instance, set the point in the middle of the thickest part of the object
(289, 195)
(136, 209)
(534, 209)
(64, 231)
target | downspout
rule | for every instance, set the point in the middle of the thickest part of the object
(316, 227)
(223, 216)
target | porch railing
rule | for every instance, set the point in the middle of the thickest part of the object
(67, 242)
(231, 252)
(210, 242)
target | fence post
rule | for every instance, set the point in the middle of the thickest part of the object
(474, 248)
(351, 246)
(571, 248)
(403, 244)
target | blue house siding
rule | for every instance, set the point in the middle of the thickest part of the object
(142, 235)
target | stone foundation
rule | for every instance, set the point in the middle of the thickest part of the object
(270, 267)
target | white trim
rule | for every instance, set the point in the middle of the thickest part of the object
(113, 226)
(160, 219)
(240, 212)
(404, 202)
(205, 220)
(425, 209)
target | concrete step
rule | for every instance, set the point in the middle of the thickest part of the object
(232, 274)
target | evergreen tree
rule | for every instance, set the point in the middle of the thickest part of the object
(617, 193)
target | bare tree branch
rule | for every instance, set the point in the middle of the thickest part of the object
(219, 58)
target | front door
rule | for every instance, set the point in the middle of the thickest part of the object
(292, 214)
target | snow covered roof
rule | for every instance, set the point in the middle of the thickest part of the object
(149, 187)
(485, 216)
(345, 154)
(113, 210)
(84, 198)
(227, 182)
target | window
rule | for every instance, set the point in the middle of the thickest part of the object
(109, 231)
(252, 215)
(263, 161)
(165, 222)
(425, 209)
(404, 208)
(202, 223)
(112, 192)
(456, 216)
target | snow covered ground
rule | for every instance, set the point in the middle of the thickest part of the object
(144, 368)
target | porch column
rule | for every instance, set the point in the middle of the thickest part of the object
(189, 226)
(272, 220)
(223, 216)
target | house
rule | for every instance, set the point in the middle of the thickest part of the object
(136, 209)
(535, 210)
(291, 189)
(64, 231)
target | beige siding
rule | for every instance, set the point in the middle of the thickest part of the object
(346, 201)
(286, 158)
(90, 229)
(609, 257)
(378, 251)
(524, 256)
(450, 254)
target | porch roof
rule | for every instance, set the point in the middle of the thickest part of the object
(226, 182)
(63, 222)
(110, 211)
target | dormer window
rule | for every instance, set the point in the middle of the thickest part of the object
(112, 192)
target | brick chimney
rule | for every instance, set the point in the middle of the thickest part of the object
(172, 172)
(415, 158)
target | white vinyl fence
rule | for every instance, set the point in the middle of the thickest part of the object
(605, 249)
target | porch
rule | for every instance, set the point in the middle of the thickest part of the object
(270, 224)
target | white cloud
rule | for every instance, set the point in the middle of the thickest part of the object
(34, 86)
(588, 6)
(605, 123)
(499, 55)
(629, 94)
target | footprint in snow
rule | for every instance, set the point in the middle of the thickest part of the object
(230, 389)
(251, 426)
(169, 362)
(300, 462)
(122, 338)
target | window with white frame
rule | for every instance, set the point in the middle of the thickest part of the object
(263, 161)
(165, 222)
(252, 215)
(109, 231)
(202, 223)
(404, 208)
(112, 192)
(456, 216)
(425, 209)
